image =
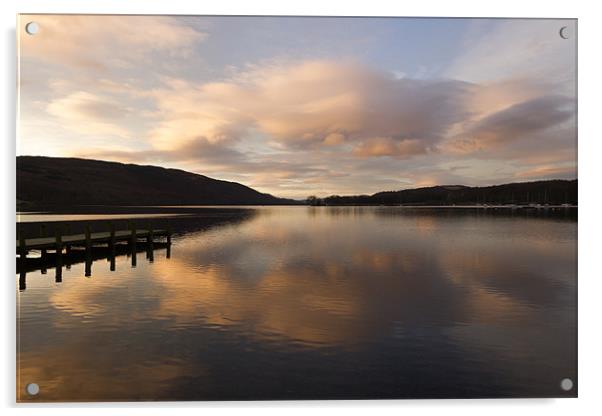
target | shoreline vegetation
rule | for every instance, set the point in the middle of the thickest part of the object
(538, 194)
(70, 185)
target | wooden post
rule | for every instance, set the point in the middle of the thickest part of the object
(58, 242)
(22, 261)
(88, 267)
(112, 235)
(43, 251)
(149, 236)
(67, 248)
(133, 244)
(58, 277)
(43, 261)
(112, 247)
(88, 238)
(88, 260)
(22, 280)
(22, 258)
(22, 247)
(168, 230)
(149, 243)
(133, 236)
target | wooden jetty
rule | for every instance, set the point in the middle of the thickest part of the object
(88, 239)
(65, 250)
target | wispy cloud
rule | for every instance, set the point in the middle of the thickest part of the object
(514, 49)
(84, 112)
(90, 42)
(515, 123)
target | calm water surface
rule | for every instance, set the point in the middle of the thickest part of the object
(325, 302)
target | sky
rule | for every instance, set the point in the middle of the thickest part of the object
(299, 106)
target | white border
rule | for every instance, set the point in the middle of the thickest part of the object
(590, 248)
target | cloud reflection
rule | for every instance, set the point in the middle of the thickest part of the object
(345, 283)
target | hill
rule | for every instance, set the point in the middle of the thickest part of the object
(48, 181)
(552, 192)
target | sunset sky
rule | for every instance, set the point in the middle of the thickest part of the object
(298, 106)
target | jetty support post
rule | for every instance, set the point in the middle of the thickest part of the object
(22, 280)
(133, 238)
(88, 238)
(68, 232)
(43, 251)
(22, 248)
(58, 242)
(42, 235)
(149, 236)
(149, 242)
(112, 246)
(88, 266)
(133, 258)
(168, 230)
(67, 248)
(22, 260)
(111, 234)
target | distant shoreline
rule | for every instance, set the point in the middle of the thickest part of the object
(167, 210)
(45, 183)
(502, 206)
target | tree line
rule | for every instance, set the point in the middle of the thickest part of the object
(550, 192)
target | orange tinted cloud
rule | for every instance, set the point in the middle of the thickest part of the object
(118, 41)
(384, 146)
(309, 103)
(83, 112)
(549, 171)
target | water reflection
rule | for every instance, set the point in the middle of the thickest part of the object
(87, 256)
(311, 303)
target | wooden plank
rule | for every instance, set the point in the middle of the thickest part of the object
(101, 237)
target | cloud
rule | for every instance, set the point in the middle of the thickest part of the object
(352, 108)
(312, 103)
(297, 126)
(383, 146)
(516, 122)
(103, 42)
(517, 48)
(84, 112)
(524, 77)
(549, 171)
(286, 127)
(198, 150)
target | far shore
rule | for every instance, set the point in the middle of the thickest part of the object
(124, 211)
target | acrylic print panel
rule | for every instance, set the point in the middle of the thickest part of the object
(249, 208)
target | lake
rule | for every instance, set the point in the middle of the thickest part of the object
(315, 303)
